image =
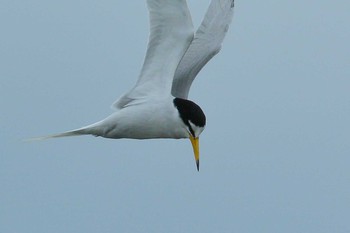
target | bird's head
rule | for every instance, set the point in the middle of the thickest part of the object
(194, 121)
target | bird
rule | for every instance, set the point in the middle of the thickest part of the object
(158, 105)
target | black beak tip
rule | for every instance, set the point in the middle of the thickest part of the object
(197, 163)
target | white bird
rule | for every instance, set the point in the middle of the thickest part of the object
(157, 106)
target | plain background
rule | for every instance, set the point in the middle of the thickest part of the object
(275, 154)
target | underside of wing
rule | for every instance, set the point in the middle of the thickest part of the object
(206, 44)
(171, 32)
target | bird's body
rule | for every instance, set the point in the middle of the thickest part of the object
(157, 106)
(154, 118)
(151, 118)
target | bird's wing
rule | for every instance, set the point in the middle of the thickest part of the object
(206, 44)
(171, 32)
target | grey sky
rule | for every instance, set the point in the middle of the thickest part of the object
(274, 154)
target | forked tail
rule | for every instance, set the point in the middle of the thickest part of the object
(76, 132)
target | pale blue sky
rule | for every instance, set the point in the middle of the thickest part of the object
(275, 154)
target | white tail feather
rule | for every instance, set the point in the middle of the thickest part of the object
(77, 132)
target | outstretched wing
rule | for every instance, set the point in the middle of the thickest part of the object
(206, 44)
(171, 32)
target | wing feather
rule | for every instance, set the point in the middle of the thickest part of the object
(171, 32)
(206, 44)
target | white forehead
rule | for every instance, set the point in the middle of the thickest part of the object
(196, 129)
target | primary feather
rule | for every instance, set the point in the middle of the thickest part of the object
(206, 44)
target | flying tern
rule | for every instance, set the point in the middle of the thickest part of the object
(158, 106)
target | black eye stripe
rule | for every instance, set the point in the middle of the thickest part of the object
(190, 128)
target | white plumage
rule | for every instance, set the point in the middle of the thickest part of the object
(157, 106)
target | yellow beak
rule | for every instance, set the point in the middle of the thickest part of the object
(195, 145)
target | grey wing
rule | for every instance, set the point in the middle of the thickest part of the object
(171, 32)
(206, 44)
